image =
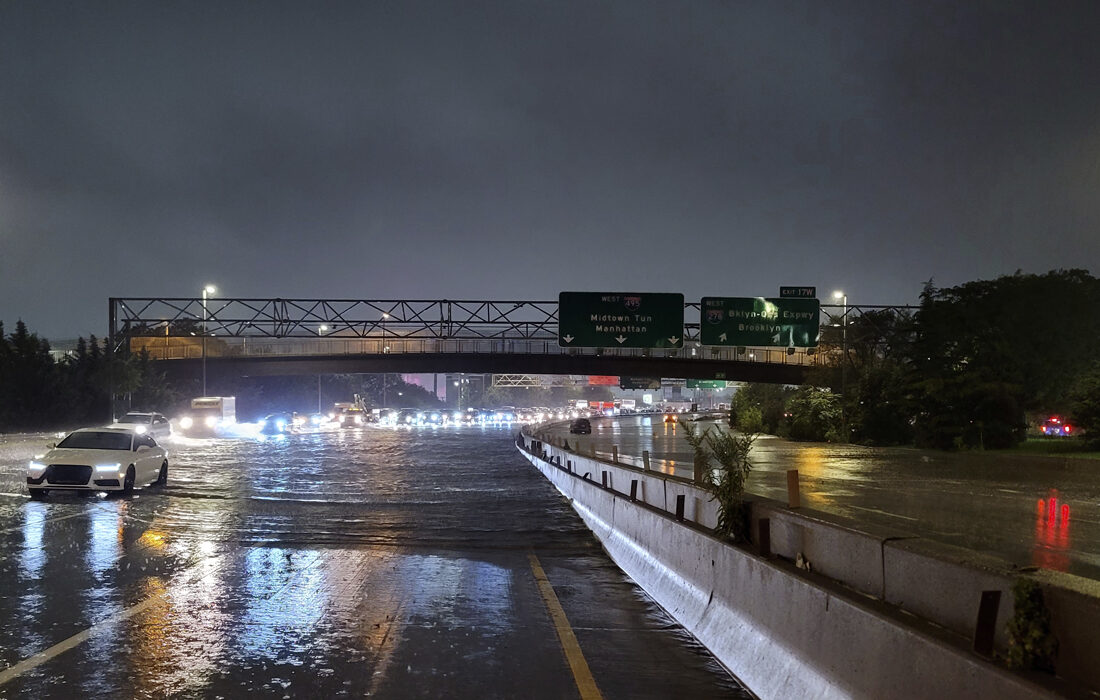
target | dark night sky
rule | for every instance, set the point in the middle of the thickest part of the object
(510, 150)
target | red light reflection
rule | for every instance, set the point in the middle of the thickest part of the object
(1051, 534)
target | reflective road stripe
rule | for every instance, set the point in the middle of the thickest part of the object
(586, 684)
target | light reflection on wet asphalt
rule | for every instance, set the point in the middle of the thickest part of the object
(984, 502)
(380, 562)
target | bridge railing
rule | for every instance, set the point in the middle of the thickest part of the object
(190, 347)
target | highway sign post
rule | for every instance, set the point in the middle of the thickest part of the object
(760, 322)
(620, 320)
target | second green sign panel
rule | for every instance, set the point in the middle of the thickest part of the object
(760, 322)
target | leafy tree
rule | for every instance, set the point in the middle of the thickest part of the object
(31, 380)
(758, 406)
(985, 352)
(1086, 406)
(881, 411)
(814, 415)
(865, 368)
(153, 392)
(6, 391)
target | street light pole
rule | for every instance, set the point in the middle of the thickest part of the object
(385, 375)
(320, 332)
(843, 361)
(208, 289)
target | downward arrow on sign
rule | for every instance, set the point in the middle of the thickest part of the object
(567, 338)
(621, 339)
(673, 340)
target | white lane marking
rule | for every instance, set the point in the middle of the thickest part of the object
(44, 521)
(63, 646)
(882, 512)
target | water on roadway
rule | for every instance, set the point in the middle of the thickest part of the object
(986, 502)
(372, 562)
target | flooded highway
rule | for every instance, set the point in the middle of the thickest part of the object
(1030, 511)
(373, 562)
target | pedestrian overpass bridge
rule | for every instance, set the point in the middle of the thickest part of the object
(259, 337)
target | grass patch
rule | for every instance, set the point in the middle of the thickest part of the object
(1059, 447)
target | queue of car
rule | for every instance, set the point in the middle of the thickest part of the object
(127, 454)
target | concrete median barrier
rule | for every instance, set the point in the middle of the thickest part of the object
(785, 633)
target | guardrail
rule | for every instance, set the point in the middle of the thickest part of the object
(190, 347)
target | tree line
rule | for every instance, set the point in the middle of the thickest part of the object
(40, 392)
(973, 367)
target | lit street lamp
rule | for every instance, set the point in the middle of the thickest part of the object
(320, 332)
(208, 289)
(841, 296)
(385, 349)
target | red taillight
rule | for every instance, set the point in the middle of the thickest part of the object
(1066, 428)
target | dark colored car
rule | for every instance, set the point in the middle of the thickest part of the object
(581, 426)
(276, 424)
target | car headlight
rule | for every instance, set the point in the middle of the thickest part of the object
(113, 466)
(186, 422)
(35, 467)
(210, 421)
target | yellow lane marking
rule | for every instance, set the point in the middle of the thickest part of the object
(63, 646)
(586, 684)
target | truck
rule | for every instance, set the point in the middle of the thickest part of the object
(209, 416)
(351, 414)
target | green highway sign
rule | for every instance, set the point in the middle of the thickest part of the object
(620, 320)
(798, 292)
(760, 322)
(639, 383)
(706, 384)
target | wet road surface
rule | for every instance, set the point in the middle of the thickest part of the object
(986, 502)
(372, 562)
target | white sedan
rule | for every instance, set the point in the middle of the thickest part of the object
(153, 423)
(99, 459)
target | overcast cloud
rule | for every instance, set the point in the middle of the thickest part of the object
(516, 149)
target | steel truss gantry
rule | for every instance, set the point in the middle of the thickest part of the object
(441, 319)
